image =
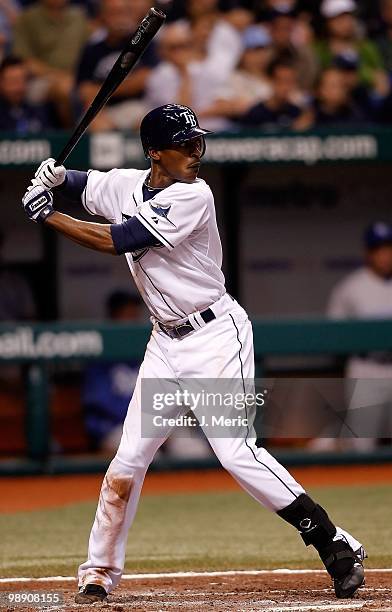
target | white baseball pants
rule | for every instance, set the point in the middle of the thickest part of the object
(223, 348)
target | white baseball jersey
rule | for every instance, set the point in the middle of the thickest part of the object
(362, 294)
(183, 275)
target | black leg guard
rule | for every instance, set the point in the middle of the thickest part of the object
(311, 520)
(338, 558)
(316, 528)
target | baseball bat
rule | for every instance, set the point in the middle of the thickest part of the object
(129, 56)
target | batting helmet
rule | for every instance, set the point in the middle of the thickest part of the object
(168, 125)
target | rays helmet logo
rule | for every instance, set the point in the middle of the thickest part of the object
(190, 118)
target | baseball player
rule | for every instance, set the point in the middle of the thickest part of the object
(163, 221)
(367, 293)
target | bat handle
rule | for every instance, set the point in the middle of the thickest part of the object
(69, 147)
(59, 161)
(76, 136)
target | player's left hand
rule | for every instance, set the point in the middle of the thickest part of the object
(38, 203)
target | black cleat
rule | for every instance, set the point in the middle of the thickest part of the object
(90, 594)
(345, 567)
(348, 585)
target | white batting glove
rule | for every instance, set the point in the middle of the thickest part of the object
(48, 175)
(38, 203)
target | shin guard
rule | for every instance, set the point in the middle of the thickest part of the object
(316, 528)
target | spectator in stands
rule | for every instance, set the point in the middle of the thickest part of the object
(189, 73)
(125, 108)
(198, 8)
(48, 36)
(334, 104)
(365, 99)
(283, 22)
(264, 8)
(249, 83)
(251, 78)
(16, 113)
(284, 108)
(108, 386)
(367, 294)
(384, 40)
(225, 44)
(16, 299)
(9, 10)
(343, 34)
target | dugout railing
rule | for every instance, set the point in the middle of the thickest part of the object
(39, 346)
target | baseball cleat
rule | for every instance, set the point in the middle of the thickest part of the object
(348, 585)
(90, 594)
(345, 567)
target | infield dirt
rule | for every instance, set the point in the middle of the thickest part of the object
(240, 593)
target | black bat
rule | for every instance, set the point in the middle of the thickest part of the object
(129, 56)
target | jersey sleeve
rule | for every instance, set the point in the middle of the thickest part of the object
(99, 196)
(173, 220)
(339, 306)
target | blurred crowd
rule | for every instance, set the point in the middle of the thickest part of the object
(238, 63)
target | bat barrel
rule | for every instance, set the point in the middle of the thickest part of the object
(129, 56)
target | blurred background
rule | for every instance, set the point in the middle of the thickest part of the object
(299, 96)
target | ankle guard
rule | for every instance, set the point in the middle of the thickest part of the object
(311, 520)
(338, 558)
(315, 528)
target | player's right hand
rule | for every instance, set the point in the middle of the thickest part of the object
(48, 175)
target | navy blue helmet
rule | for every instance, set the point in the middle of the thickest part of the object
(168, 125)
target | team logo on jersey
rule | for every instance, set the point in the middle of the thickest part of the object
(137, 255)
(189, 118)
(160, 212)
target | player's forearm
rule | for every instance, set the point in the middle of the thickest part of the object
(96, 236)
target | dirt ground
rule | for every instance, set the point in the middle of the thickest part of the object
(240, 592)
(39, 492)
(269, 592)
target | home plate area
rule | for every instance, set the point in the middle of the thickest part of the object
(276, 591)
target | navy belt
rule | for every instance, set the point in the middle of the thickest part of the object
(186, 328)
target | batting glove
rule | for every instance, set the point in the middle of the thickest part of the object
(48, 175)
(38, 204)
